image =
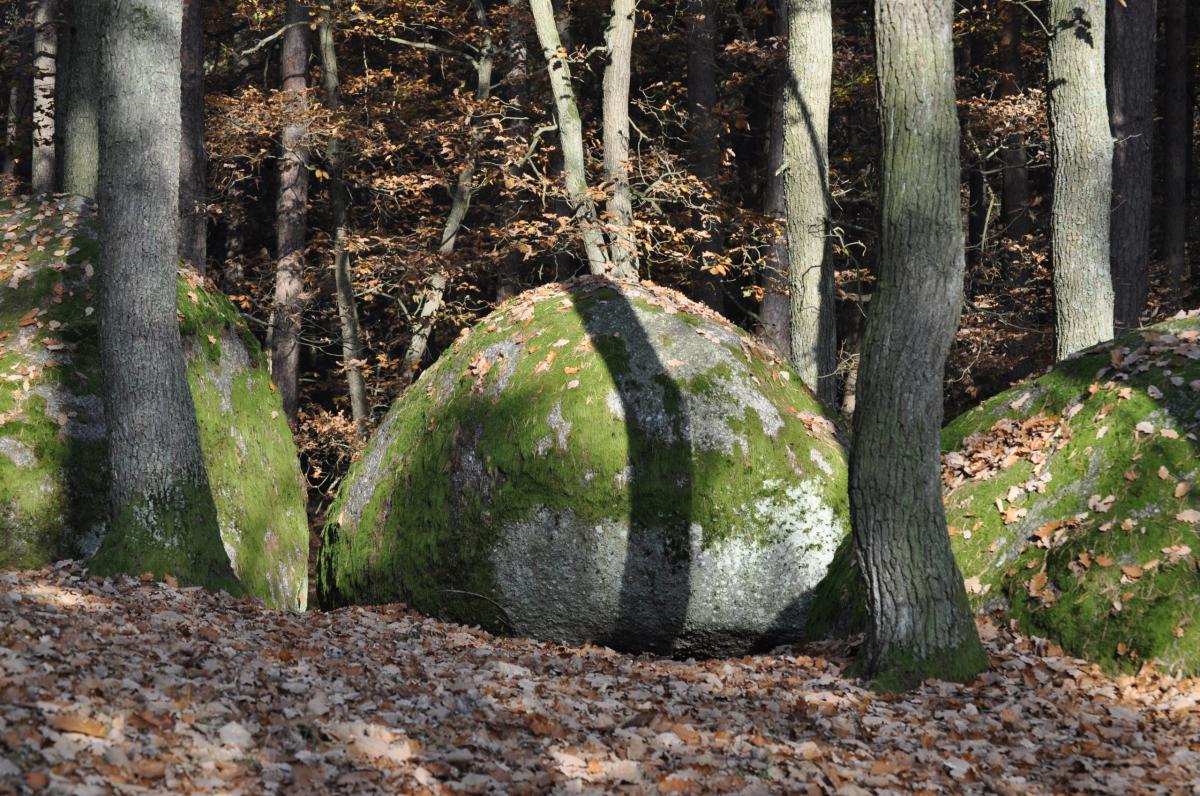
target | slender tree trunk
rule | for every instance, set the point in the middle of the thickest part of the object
(1015, 201)
(1177, 138)
(919, 624)
(162, 516)
(45, 65)
(1131, 29)
(193, 160)
(81, 114)
(704, 140)
(806, 182)
(518, 82)
(570, 136)
(619, 40)
(1081, 155)
(775, 311)
(20, 99)
(291, 211)
(460, 202)
(339, 199)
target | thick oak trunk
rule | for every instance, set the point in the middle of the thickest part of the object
(1081, 158)
(1131, 29)
(920, 624)
(193, 160)
(291, 212)
(162, 516)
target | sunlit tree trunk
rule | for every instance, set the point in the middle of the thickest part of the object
(619, 42)
(517, 81)
(775, 311)
(339, 199)
(193, 160)
(460, 202)
(570, 136)
(79, 116)
(45, 65)
(1081, 156)
(1131, 29)
(161, 513)
(1177, 139)
(919, 622)
(291, 212)
(806, 189)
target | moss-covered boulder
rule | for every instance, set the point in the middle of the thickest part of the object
(52, 430)
(1072, 504)
(597, 461)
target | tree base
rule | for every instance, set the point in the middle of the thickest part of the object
(897, 670)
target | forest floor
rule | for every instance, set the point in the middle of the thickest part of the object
(135, 686)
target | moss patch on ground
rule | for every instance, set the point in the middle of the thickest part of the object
(554, 403)
(1071, 504)
(52, 437)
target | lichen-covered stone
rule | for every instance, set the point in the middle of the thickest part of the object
(1073, 505)
(52, 430)
(598, 461)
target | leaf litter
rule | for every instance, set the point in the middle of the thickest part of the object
(135, 686)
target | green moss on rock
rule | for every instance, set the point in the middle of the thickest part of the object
(600, 462)
(1071, 505)
(52, 433)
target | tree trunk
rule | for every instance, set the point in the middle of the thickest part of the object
(339, 199)
(45, 51)
(81, 114)
(570, 136)
(460, 202)
(619, 41)
(517, 79)
(1081, 156)
(1131, 29)
(775, 311)
(1177, 138)
(291, 209)
(20, 99)
(162, 516)
(806, 188)
(704, 141)
(193, 160)
(920, 624)
(1015, 201)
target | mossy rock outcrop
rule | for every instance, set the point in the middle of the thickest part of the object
(599, 462)
(52, 428)
(1072, 504)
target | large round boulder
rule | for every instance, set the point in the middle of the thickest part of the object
(52, 428)
(1072, 504)
(598, 461)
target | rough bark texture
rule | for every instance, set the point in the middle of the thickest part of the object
(570, 136)
(919, 624)
(1081, 154)
(1177, 136)
(290, 214)
(1015, 200)
(619, 40)
(704, 137)
(45, 52)
(163, 518)
(339, 200)
(81, 113)
(1131, 29)
(806, 190)
(775, 311)
(193, 160)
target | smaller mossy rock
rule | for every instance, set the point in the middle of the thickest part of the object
(597, 461)
(52, 428)
(1072, 503)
